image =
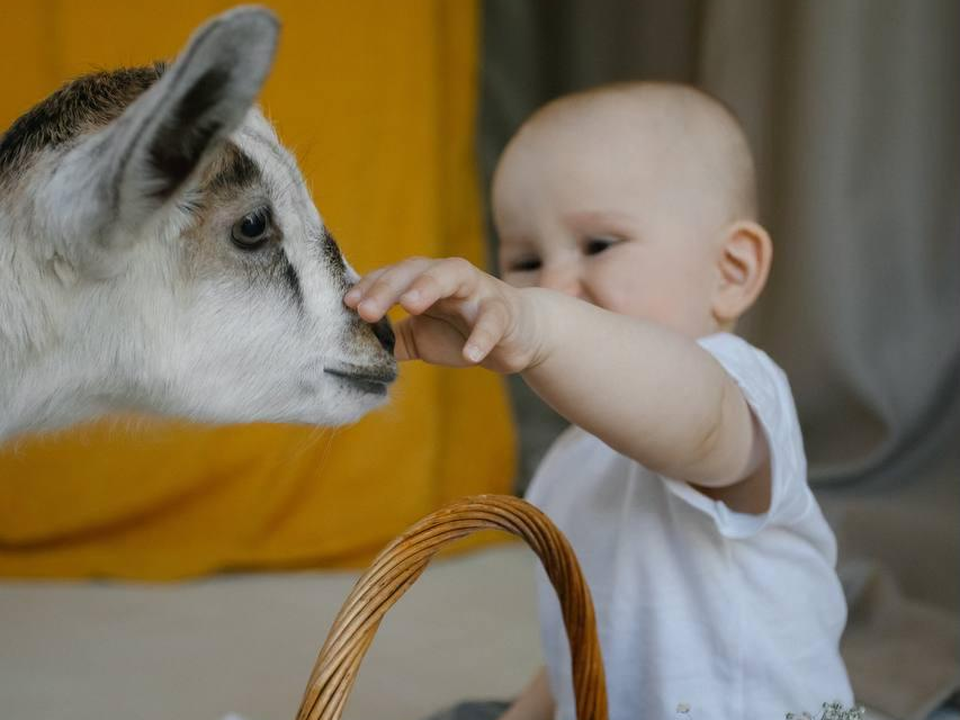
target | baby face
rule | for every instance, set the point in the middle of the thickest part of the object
(585, 206)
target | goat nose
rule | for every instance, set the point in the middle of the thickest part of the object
(384, 334)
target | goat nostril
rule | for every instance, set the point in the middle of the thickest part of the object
(384, 334)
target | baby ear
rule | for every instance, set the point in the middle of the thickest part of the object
(743, 265)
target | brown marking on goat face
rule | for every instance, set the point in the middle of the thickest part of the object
(81, 106)
(231, 186)
(90, 102)
(231, 169)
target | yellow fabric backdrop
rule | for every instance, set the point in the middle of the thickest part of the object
(377, 99)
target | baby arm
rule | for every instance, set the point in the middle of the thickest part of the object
(649, 392)
(654, 395)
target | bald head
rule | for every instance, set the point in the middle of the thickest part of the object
(696, 144)
(638, 198)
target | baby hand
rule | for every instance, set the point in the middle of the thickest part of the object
(460, 315)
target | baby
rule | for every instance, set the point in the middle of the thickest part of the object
(629, 249)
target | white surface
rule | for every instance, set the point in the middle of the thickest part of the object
(247, 643)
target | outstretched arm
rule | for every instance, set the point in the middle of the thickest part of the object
(649, 392)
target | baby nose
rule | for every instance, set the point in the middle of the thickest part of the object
(562, 279)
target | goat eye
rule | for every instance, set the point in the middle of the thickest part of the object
(252, 230)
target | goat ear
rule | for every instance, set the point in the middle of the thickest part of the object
(145, 157)
(198, 101)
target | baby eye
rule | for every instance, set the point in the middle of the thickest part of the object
(525, 265)
(595, 246)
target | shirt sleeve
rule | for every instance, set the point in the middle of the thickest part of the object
(767, 392)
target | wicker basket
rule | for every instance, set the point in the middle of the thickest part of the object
(400, 564)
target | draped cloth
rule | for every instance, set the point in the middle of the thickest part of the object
(378, 102)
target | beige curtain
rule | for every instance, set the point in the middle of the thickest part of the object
(853, 110)
(378, 101)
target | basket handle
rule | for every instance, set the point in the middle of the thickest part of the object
(398, 566)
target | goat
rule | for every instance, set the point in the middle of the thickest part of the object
(160, 253)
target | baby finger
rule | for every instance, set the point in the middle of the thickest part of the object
(451, 277)
(356, 292)
(486, 333)
(386, 289)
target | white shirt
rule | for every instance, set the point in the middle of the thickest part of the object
(703, 613)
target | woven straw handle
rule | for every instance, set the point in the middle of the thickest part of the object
(400, 564)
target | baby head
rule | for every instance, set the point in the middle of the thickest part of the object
(639, 198)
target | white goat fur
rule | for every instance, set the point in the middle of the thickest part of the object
(120, 286)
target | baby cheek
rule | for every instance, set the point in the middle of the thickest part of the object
(661, 298)
(692, 308)
(631, 295)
